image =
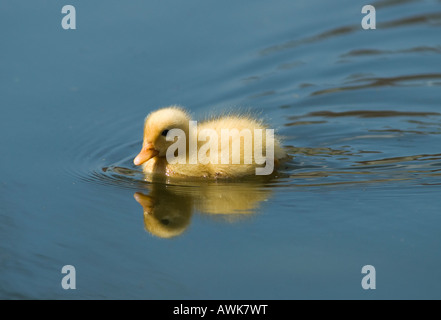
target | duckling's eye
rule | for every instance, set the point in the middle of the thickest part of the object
(164, 133)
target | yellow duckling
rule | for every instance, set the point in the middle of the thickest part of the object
(230, 146)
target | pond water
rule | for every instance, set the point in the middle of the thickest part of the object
(359, 111)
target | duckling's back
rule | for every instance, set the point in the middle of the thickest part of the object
(241, 131)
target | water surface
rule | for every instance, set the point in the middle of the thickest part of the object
(359, 111)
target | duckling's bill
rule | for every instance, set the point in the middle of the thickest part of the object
(147, 152)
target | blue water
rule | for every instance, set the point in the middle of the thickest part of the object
(359, 111)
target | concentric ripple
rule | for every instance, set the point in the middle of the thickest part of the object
(333, 160)
(105, 156)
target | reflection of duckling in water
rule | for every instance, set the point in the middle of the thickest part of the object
(166, 215)
(168, 209)
(240, 127)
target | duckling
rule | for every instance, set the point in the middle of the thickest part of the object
(235, 146)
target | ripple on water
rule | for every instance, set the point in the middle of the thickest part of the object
(105, 156)
(168, 205)
(338, 143)
(337, 134)
(110, 163)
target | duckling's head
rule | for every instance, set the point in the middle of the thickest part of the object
(157, 124)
